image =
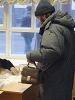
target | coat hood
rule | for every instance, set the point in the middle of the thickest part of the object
(59, 18)
(64, 19)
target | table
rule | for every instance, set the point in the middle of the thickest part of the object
(19, 91)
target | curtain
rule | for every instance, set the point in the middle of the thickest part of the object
(29, 1)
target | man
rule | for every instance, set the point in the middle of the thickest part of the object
(6, 64)
(56, 54)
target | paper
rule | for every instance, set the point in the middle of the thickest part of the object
(1, 92)
(10, 82)
(6, 78)
(16, 87)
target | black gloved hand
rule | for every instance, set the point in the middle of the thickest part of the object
(30, 61)
(29, 58)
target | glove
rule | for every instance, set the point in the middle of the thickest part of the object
(29, 60)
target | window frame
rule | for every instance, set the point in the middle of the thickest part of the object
(8, 29)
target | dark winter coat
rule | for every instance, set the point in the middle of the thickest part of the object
(56, 56)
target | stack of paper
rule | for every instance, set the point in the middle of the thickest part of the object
(6, 78)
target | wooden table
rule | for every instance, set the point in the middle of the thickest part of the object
(19, 91)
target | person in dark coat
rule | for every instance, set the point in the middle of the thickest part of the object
(6, 64)
(56, 54)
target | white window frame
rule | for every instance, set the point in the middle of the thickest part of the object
(8, 30)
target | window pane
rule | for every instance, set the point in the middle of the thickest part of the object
(1, 15)
(2, 42)
(37, 23)
(66, 7)
(24, 42)
(72, 12)
(21, 15)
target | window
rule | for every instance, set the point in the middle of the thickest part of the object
(19, 33)
(24, 42)
(1, 15)
(23, 18)
(37, 23)
(2, 42)
(21, 15)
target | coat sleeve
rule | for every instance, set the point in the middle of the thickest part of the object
(52, 47)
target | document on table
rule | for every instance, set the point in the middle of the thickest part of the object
(10, 82)
(6, 78)
(1, 92)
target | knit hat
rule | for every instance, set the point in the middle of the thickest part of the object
(44, 7)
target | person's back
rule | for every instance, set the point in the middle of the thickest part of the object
(57, 68)
(56, 54)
